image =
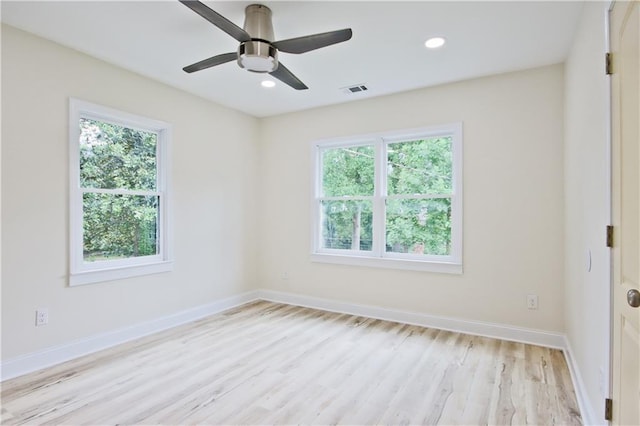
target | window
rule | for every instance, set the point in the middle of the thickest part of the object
(390, 200)
(119, 212)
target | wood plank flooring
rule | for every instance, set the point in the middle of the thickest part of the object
(270, 363)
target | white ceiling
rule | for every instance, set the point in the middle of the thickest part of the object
(387, 53)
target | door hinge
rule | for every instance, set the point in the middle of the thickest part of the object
(608, 409)
(607, 64)
(609, 235)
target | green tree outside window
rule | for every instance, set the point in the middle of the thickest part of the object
(118, 177)
(418, 177)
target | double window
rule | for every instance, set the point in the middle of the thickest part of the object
(119, 200)
(390, 200)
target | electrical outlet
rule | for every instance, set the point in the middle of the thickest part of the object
(42, 317)
(532, 301)
(285, 276)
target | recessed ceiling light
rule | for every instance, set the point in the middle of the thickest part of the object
(434, 42)
(268, 83)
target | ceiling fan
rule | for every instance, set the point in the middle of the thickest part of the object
(257, 51)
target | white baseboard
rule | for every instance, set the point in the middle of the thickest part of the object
(499, 331)
(55, 355)
(586, 409)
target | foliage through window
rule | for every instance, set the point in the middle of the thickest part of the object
(117, 158)
(118, 192)
(392, 197)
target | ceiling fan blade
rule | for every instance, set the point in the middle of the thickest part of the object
(312, 42)
(218, 20)
(211, 62)
(287, 77)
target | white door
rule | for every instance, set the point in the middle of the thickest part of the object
(625, 50)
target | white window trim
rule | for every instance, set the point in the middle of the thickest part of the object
(81, 272)
(378, 257)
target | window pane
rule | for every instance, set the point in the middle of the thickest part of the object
(419, 226)
(420, 166)
(347, 224)
(116, 157)
(119, 226)
(348, 171)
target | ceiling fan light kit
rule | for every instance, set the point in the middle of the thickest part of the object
(257, 51)
(257, 56)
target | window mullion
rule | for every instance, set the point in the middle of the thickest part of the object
(121, 192)
(418, 196)
(379, 199)
(346, 198)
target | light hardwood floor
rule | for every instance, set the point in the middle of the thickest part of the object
(269, 363)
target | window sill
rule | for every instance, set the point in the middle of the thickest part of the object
(111, 274)
(388, 263)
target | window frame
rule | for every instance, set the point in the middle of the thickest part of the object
(81, 272)
(378, 256)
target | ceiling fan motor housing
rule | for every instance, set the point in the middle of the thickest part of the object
(258, 55)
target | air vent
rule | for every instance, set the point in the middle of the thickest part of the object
(358, 88)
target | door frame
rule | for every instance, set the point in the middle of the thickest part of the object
(608, 356)
(609, 125)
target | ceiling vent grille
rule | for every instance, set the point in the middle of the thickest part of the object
(352, 90)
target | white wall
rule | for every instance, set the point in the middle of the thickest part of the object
(214, 191)
(587, 205)
(513, 201)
